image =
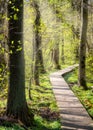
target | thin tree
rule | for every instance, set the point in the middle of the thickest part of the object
(56, 49)
(56, 57)
(16, 104)
(83, 40)
(62, 54)
(39, 66)
(3, 33)
(76, 35)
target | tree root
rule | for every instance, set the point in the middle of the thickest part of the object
(9, 121)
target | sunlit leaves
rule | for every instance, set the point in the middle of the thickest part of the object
(15, 8)
(15, 17)
(19, 48)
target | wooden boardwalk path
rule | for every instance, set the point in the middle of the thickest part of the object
(73, 114)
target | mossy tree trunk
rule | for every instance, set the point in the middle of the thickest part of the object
(39, 66)
(56, 57)
(83, 40)
(3, 33)
(16, 104)
(62, 55)
(56, 49)
(76, 35)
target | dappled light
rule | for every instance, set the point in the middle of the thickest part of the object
(46, 61)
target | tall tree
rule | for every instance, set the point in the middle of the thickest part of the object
(56, 57)
(76, 36)
(62, 55)
(83, 40)
(16, 104)
(39, 66)
(3, 33)
(56, 49)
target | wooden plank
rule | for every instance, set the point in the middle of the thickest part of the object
(72, 113)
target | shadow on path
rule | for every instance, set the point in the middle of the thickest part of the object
(72, 113)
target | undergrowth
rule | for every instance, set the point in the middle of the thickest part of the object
(85, 96)
(42, 104)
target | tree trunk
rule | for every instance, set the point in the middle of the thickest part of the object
(76, 35)
(3, 33)
(56, 57)
(63, 58)
(16, 103)
(39, 66)
(82, 65)
(56, 49)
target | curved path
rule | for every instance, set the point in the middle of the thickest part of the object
(73, 114)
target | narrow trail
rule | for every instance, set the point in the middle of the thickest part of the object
(72, 113)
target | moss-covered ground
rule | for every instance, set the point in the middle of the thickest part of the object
(42, 104)
(85, 96)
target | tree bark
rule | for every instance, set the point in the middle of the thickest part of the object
(3, 33)
(76, 35)
(16, 104)
(56, 57)
(83, 40)
(63, 56)
(39, 66)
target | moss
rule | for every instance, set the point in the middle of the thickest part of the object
(85, 96)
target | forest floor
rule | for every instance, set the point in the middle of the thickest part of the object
(43, 102)
(72, 113)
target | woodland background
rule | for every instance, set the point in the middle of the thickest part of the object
(38, 37)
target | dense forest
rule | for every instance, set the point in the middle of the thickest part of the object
(38, 37)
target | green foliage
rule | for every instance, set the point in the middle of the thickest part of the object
(89, 69)
(44, 106)
(56, 26)
(42, 96)
(85, 96)
(3, 75)
(70, 42)
(42, 124)
(71, 77)
(13, 127)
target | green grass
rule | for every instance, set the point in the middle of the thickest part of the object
(71, 77)
(85, 96)
(43, 105)
(12, 127)
(43, 124)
